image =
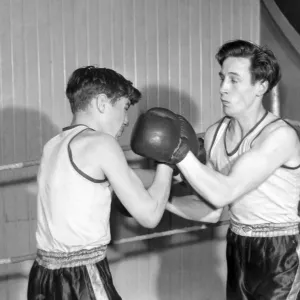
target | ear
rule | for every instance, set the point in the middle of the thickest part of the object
(101, 102)
(262, 87)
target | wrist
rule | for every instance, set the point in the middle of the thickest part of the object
(165, 168)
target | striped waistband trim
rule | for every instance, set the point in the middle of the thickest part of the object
(264, 230)
(58, 260)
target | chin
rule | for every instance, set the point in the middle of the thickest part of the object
(226, 112)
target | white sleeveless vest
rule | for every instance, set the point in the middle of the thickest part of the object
(73, 208)
(275, 200)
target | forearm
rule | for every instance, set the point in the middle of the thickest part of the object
(211, 185)
(192, 208)
(160, 191)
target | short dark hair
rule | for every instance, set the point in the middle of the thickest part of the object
(85, 83)
(263, 63)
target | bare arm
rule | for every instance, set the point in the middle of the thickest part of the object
(146, 206)
(145, 175)
(192, 207)
(251, 169)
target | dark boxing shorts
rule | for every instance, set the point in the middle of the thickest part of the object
(263, 262)
(69, 276)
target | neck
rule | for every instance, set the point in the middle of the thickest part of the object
(85, 119)
(245, 122)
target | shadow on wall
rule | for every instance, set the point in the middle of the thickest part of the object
(23, 135)
(172, 98)
(179, 266)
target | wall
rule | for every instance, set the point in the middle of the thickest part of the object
(289, 59)
(166, 47)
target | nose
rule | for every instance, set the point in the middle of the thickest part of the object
(224, 86)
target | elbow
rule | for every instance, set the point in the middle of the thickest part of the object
(149, 220)
(219, 202)
(212, 220)
(222, 199)
(149, 223)
(213, 217)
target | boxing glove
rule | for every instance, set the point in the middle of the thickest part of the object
(201, 156)
(188, 132)
(161, 135)
(201, 152)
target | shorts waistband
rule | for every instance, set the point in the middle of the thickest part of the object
(264, 230)
(58, 260)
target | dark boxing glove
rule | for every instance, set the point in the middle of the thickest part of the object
(188, 132)
(201, 153)
(201, 156)
(161, 135)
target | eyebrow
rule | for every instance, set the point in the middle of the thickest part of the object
(230, 73)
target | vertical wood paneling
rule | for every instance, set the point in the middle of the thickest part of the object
(8, 99)
(206, 67)
(80, 29)
(140, 49)
(166, 47)
(125, 47)
(93, 32)
(163, 53)
(215, 42)
(152, 55)
(68, 24)
(174, 54)
(118, 35)
(184, 59)
(45, 70)
(106, 27)
(57, 54)
(195, 62)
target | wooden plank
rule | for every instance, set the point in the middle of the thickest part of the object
(195, 65)
(58, 114)
(105, 31)
(174, 71)
(184, 59)
(152, 56)
(93, 32)
(215, 43)
(140, 51)
(163, 53)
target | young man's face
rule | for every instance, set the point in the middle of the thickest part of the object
(118, 115)
(236, 89)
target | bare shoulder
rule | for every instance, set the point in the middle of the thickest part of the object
(104, 144)
(97, 145)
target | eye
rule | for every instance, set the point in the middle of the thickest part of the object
(233, 80)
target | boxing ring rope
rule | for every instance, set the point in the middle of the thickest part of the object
(20, 165)
(274, 108)
(32, 163)
(18, 259)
